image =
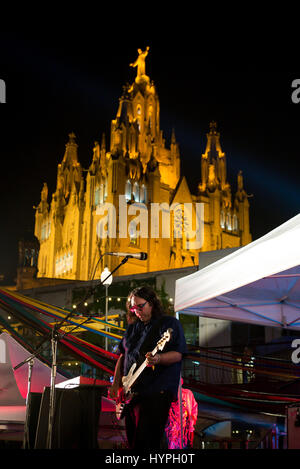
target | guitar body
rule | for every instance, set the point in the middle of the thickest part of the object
(126, 380)
(121, 402)
(124, 394)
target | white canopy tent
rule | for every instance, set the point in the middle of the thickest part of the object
(257, 284)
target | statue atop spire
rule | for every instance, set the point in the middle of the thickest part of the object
(140, 64)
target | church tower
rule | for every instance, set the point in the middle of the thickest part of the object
(58, 227)
(132, 198)
(226, 223)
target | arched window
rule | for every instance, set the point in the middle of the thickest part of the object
(68, 263)
(235, 223)
(128, 190)
(136, 192)
(150, 116)
(58, 265)
(64, 268)
(45, 230)
(101, 194)
(139, 115)
(133, 234)
(143, 194)
(228, 222)
(222, 219)
(97, 196)
(105, 191)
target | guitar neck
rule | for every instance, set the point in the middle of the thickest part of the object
(139, 370)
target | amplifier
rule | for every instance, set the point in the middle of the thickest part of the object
(76, 418)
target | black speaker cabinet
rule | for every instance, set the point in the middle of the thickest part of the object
(32, 417)
(76, 417)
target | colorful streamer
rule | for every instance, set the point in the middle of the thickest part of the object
(25, 310)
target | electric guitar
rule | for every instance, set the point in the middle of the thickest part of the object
(124, 394)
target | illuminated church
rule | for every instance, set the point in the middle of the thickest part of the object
(133, 198)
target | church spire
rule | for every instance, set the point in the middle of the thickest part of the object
(213, 146)
(213, 156)
(173, 138)
(70, 155)
(241, 193)
(103, 142)
(69, 171)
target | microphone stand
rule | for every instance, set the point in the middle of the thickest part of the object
(54, 343)
(26, 442)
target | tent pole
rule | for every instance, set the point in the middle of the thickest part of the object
(181, 415)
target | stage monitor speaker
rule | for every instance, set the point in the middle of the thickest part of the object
(76, 418)
(293, 426)
(32, 416)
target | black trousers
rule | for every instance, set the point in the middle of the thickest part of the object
(145, 420)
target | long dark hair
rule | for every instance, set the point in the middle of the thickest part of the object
(149, 295)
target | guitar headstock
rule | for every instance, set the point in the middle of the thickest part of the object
(164, 339)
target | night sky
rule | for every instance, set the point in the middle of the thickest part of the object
(55, 86)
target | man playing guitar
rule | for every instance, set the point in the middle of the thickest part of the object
(156, 386)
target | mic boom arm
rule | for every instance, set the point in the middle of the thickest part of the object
(142, 256)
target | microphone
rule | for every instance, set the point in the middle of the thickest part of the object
(142, 256)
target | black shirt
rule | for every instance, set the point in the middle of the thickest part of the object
(163, 377)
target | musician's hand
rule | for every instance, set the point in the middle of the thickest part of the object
(152, 360)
